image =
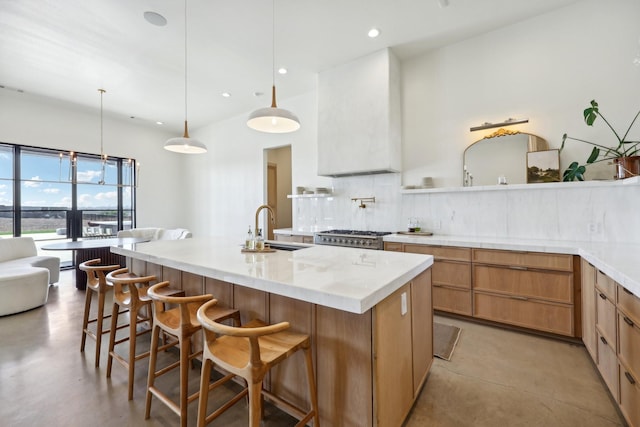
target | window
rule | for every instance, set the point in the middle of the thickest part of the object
(52, 195)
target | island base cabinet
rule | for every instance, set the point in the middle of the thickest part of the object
(629, 397)
(542, 316)
(344, 366)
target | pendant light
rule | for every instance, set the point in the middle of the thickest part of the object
(273, 119)
(185, 144)
(103, 157)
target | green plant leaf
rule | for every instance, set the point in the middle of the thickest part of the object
(591, 113)
(594, 155)
(573, 172)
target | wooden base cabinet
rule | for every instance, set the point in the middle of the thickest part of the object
(526, 289)
(612, 313)
(451, 277)
(589, 337)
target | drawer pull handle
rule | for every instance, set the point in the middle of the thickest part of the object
(627, 320)
(516, 267)
(603, 296)
(604, 341)
(519, 298)
(629, 377)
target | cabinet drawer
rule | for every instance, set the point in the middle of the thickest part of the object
(441, 252)
(630, 396)
(606, 317)
(547, 285)
(629, 303)
(524, 259)
(606, 285)
(549, 317)
(453, 300)
(629, 344)
(452, 273)
(608, 365)
(392, 246)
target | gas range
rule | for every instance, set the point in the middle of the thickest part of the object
(351, 238)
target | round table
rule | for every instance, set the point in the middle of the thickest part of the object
(84, 250)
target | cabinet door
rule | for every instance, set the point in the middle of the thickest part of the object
(606, 318)
(538, 284)
(393, 361)
(452, 299)
(629, 343)
(422, 329)
(533, 314)
(392, 246)
(630, 396)
(524, 259)
(629, 303)
(589, 309)
(608, 365)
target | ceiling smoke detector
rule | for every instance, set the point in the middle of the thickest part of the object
(155, 18)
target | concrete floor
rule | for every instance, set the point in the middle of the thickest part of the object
(495, 377)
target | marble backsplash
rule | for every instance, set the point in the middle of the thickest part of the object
(587, 211)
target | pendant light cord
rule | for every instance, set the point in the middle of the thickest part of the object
(273, 42)
(102, 91)
(185, 62)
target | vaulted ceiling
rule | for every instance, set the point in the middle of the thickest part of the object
(68, 49)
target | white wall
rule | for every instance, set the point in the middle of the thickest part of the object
(227, 184)
(37, 121)
(546, 69)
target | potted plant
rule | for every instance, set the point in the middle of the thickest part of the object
(624, 155)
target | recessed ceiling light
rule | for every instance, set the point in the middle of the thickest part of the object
(443, 3)
(159, 123)
(155, 18)
(373, 33)
(258, 93)
(226, 94)
(282, 70)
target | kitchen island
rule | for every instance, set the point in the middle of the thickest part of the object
(368, 312)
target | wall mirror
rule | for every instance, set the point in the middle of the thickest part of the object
(500, 154)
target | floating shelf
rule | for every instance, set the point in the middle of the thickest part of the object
(310, 196)
(542, 186)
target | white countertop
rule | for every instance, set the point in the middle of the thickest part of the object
(620, 261)
(346, 279)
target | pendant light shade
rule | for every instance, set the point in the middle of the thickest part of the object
(185, 144)
(273, 119)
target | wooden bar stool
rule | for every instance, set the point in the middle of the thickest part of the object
(96, 282)
(250, 352)
(130, 294)
(181, 323)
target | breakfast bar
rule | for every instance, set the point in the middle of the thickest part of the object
(368, 312)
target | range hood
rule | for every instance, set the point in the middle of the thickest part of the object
(359, 120)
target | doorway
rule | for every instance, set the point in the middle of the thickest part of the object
(278, 186)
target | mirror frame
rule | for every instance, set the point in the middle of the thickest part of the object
(535, 143)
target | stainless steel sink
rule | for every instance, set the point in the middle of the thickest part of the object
(274, 244)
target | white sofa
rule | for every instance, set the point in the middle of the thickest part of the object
(24, 275)
(155, 233)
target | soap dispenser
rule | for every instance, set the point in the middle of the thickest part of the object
(249, 242)
(259, 241)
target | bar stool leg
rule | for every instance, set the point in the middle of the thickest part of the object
(85, 319)
(204, 392)
(155, 335)
(185, 351)
(112, 336)
(133, 334)
(313, 395)
(99, 322)
(255, 404)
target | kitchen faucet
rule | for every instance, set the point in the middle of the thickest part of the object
(273, 216)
